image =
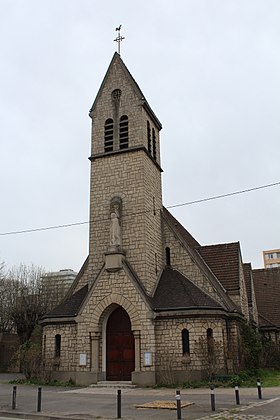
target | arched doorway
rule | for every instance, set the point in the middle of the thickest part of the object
(120, 353)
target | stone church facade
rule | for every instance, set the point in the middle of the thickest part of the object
(150, 304)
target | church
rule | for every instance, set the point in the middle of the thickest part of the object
(150, 303)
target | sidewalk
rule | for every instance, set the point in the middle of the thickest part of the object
(89, 403)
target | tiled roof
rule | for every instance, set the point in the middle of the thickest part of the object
(70, 307)
(186, 236)
(267, 292)
(223, 260)
(247, 275)
(175, 291)
(264, 322)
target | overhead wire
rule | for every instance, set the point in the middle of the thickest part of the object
(188, 203)
(202, 200)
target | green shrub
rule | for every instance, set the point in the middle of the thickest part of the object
(251, 346)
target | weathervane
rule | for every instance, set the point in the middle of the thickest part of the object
(119, 39)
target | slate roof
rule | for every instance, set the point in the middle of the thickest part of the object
(267, 292)
(175, 291)
(223, 260)
(186, 236)
(70, 307)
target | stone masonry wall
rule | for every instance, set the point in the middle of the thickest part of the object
(114, 289)
(170, 349)
(243, 292)
(131, 175)
(136, 180)
(68, 358)
(254, 309)
(233, 345)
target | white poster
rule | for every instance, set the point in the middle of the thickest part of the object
(147, 358)
(83, 359)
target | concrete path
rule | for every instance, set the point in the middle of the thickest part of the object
(89, 403)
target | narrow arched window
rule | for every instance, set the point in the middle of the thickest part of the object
(44, 347)
(108, 135)
(185, 341)
(154, 144)
(156, 263)
(124, 132)
(210, 341)
(57, 350)
(167, 256)
(149, 138)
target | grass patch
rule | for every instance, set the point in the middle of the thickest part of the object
(36, 381)
(245, 379)
(270, 377)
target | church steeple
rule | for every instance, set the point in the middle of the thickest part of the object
(126, 120)
(126, 170)
(146, 292)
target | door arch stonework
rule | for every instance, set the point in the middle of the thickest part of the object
(105, 306)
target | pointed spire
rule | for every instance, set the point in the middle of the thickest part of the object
(118, 60)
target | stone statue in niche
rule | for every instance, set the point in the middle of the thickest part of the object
(115, 227)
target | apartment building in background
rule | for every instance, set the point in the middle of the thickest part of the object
(271, 258)
(56, 284)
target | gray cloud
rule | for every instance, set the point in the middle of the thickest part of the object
(209, 69)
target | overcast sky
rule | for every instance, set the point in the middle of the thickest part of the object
(210, 70)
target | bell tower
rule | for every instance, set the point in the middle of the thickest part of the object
(125, 191)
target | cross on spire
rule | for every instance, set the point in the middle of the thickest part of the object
(119, 39)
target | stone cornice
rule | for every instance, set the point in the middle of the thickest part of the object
(201, 313)
(60, 320)
(129, 150)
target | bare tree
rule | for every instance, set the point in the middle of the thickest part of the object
(6, 288)
(26, 299)
(210, 352)
(7, 300)
(2, 269)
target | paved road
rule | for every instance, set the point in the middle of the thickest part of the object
(89, 403)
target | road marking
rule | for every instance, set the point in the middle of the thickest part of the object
(259, 404)
(233, 412)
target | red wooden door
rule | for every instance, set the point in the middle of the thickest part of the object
(120, 354)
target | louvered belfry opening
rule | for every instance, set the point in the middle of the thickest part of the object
(154, 144)
(149, 137)
(124, 132)
(108, 135)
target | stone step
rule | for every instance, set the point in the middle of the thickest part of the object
(113, 384)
